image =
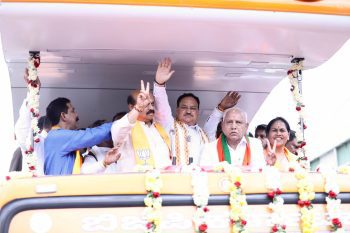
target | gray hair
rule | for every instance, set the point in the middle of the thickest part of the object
(235, 109)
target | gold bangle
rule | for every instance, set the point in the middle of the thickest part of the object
(104, 164)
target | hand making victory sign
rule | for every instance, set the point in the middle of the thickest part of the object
(271, 153)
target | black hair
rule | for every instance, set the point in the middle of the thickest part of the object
(130, 100)
(292, 135)
(119, 115)
(97, 123)
(44, 123)
(184, 95)
(268, 127)
(259, 127)
(218, 130)
(55, 108)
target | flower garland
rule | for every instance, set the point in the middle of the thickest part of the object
(273, 184)
(200, 199)
(33, 105)
(153, 201)
(293, 75)
(306, 194)
(333, 203)
(237, 198)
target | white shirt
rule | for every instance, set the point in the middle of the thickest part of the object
(91, 166)
(121, 135)
(211, 124)
(23, 131)
(210, 157)
(164, 116)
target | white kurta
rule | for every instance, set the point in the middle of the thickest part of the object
(91, 166)
(23, 130)
(164, 116)
(210, 157)
(211, 124)
(121, 135)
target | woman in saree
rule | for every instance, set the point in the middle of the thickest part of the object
(276, 153)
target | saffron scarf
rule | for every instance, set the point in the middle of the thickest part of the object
(143, 153)
(290, 157)
(224, 152)
(181, 144)
(78, 162)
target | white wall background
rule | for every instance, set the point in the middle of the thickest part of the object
(7, 142)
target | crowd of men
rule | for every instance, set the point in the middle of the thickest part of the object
(148, 134)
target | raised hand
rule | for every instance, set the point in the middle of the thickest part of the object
(230, 100)
(164, 71)
(271, 153)
(112, 156)
(143, 98)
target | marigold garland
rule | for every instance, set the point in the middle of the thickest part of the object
(33, 104)
(200, 199)
(333, 203)
(306, 195)
(273, 184)
(237, 198)
(293, 75)
(153, 201)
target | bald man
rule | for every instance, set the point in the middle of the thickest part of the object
(233, 145)
(141, 140)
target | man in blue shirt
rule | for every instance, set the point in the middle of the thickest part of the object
(64, 139)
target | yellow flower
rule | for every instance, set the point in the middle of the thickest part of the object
(311, 196)
(304, 196)
(344, 169)
(148, 201)
(301, 174)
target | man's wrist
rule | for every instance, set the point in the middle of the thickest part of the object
(220, 108)
(104, 164)
(159, 84)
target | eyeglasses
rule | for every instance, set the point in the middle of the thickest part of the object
(192, 108)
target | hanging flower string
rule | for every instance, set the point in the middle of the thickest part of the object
(293, 75)
(273, 184)
(333, 203)
(237, 198)
(306, 195)
(200, 199)
(153, 201)
(33, 104)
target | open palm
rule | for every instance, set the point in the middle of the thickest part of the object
(164, 71)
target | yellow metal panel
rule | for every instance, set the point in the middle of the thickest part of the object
(133, 183)
(334, 7)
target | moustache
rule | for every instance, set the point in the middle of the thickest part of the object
(188, 114)
(150, 111)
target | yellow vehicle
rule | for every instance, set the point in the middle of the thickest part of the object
(96, 52)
